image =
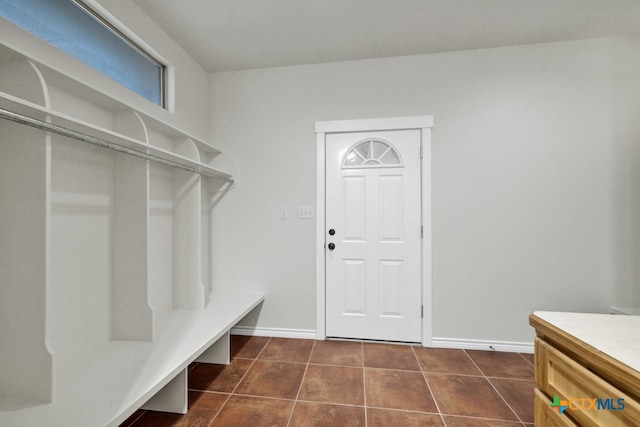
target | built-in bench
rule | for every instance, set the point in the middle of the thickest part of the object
(200, 336)
(104, 386)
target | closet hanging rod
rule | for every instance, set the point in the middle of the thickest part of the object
(80, 136)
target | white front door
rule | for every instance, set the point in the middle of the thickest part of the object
(373, 235)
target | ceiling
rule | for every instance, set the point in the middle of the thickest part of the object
(224, 35)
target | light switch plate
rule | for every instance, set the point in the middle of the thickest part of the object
(306, 212)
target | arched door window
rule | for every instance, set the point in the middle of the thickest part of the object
(371, 153)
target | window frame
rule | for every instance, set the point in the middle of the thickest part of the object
(102, 20)
(137, 67)
(365, 162)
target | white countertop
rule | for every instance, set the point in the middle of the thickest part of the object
(617, 336)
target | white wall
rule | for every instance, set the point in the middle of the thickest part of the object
(533, 195)
(625, 111)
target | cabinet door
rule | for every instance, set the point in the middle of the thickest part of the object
(547, 417)
(591, 401)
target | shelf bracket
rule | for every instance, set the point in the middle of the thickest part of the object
(172, 397)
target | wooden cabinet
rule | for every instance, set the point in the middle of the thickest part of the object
(586, 369)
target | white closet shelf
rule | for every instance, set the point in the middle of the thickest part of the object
(48, 115)
(70, 85)
(106, 384)
(174, 132)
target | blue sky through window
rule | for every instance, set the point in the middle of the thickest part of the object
(70, 28)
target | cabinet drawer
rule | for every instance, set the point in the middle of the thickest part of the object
(545, 416)
(591, 400)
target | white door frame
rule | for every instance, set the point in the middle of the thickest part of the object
(424, 124)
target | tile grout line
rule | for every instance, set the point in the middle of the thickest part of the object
(530, 362)
(394, 369)
(238, 384)
(412, 411)
(321, 402)
(433, 396)
(257, 396)
(364, 386)
(485, 419)
(505, 401)
(494, 388)
(219, 410)
(251, 366)
(306, 368)
(509, 378)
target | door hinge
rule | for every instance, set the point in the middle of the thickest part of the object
(422, 311)
(421, 149)
(422, 231)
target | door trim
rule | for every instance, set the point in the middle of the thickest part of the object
(424, 124)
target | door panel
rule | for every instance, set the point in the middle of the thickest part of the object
(355, 208)
(391, 208)
(373, 201)
(390, 286)
(354, 286)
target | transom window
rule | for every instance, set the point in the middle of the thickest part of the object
(74, 28)
(371, 153)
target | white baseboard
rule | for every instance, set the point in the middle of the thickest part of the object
(617, 309)
(274, 332)
(468, 344)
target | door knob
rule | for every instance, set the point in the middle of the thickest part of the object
(332, 232)
(332, 246)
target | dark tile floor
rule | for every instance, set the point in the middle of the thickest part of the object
(287, 382)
